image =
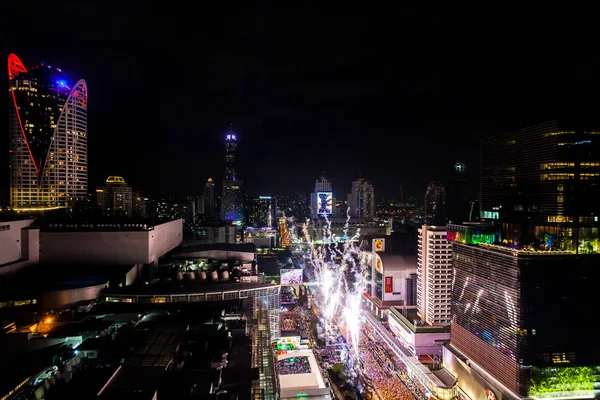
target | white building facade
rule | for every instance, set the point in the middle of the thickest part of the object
(434, 275)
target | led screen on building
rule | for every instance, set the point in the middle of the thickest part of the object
(291, 277)
(325, 203)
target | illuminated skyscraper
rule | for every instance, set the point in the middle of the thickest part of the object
(361, 200)
(435, 204)
(209, 199)
(322, 202)
(232, 200)
(115, 196)
(261, 211)
(48, 137)
(230, 147)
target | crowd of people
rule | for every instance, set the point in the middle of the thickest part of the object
(290, 321)
(293, 365)
(381, 372)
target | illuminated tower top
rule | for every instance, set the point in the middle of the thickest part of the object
(230, 147)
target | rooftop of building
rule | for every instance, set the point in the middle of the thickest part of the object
(185, 287)
(230, 247)
(31, 281)
(412, 320)
(393, 261)
(9, 216)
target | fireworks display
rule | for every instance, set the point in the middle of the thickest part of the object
(342, 270)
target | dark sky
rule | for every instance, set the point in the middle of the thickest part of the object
(397, 93)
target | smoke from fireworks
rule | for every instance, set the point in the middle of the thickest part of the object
(342, 270)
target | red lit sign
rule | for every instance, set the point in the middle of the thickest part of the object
(489, 395)
(379, 244)
(388, 284)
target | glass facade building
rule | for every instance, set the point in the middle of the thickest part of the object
(543, 184)
(513, 310)
(261, 211)
(48, 137)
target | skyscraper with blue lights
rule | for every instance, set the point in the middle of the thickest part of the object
(232, 199)
(48, 137)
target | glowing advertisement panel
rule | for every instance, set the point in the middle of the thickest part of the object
(324, 203)
(379, 245)
(288, 343)
(388, 284)
(291, 276)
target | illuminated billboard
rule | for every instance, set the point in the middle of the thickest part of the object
(324, 203)
(288, 343)
(379, 245)
(291, 277)
(388, 284)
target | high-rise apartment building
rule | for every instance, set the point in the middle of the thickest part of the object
(361, 200)
(434, 275)
(210, 207)
(139, 206)
(232, 199)
(48, 137)
(115, 196)
(435, 204)
(261, 211)
(523, 298)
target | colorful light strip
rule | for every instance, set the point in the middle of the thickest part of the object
(23, 131)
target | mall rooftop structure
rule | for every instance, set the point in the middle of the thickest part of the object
(25, 242)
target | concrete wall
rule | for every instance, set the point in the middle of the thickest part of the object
(19, 246)
(399, 277)
(219, 255)
(116, 248)
(164, 238)
(10, 240)
(63, 298)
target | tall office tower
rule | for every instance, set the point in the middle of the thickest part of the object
(139, 205)
(232, 199)
(457, 195)
(434, 275)
(524, 288)
(230, 148)
(210, 206)
(543, 182)
(48, 128)
(435, 204)
(322, 202)
(361, 200)
(261, 211)
(115, 196)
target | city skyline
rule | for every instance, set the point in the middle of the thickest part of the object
(347, 80)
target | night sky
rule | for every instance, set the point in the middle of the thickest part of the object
(397, 94)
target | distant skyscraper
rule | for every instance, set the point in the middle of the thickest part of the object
(457, 196)
(139, 204)
(232, 200)
(435, 204)
(210, 208)
(434, 275)
(115, 196)
(48, 146)
(230, 148)
(361, 200)
(322, 200)
(261, 211)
